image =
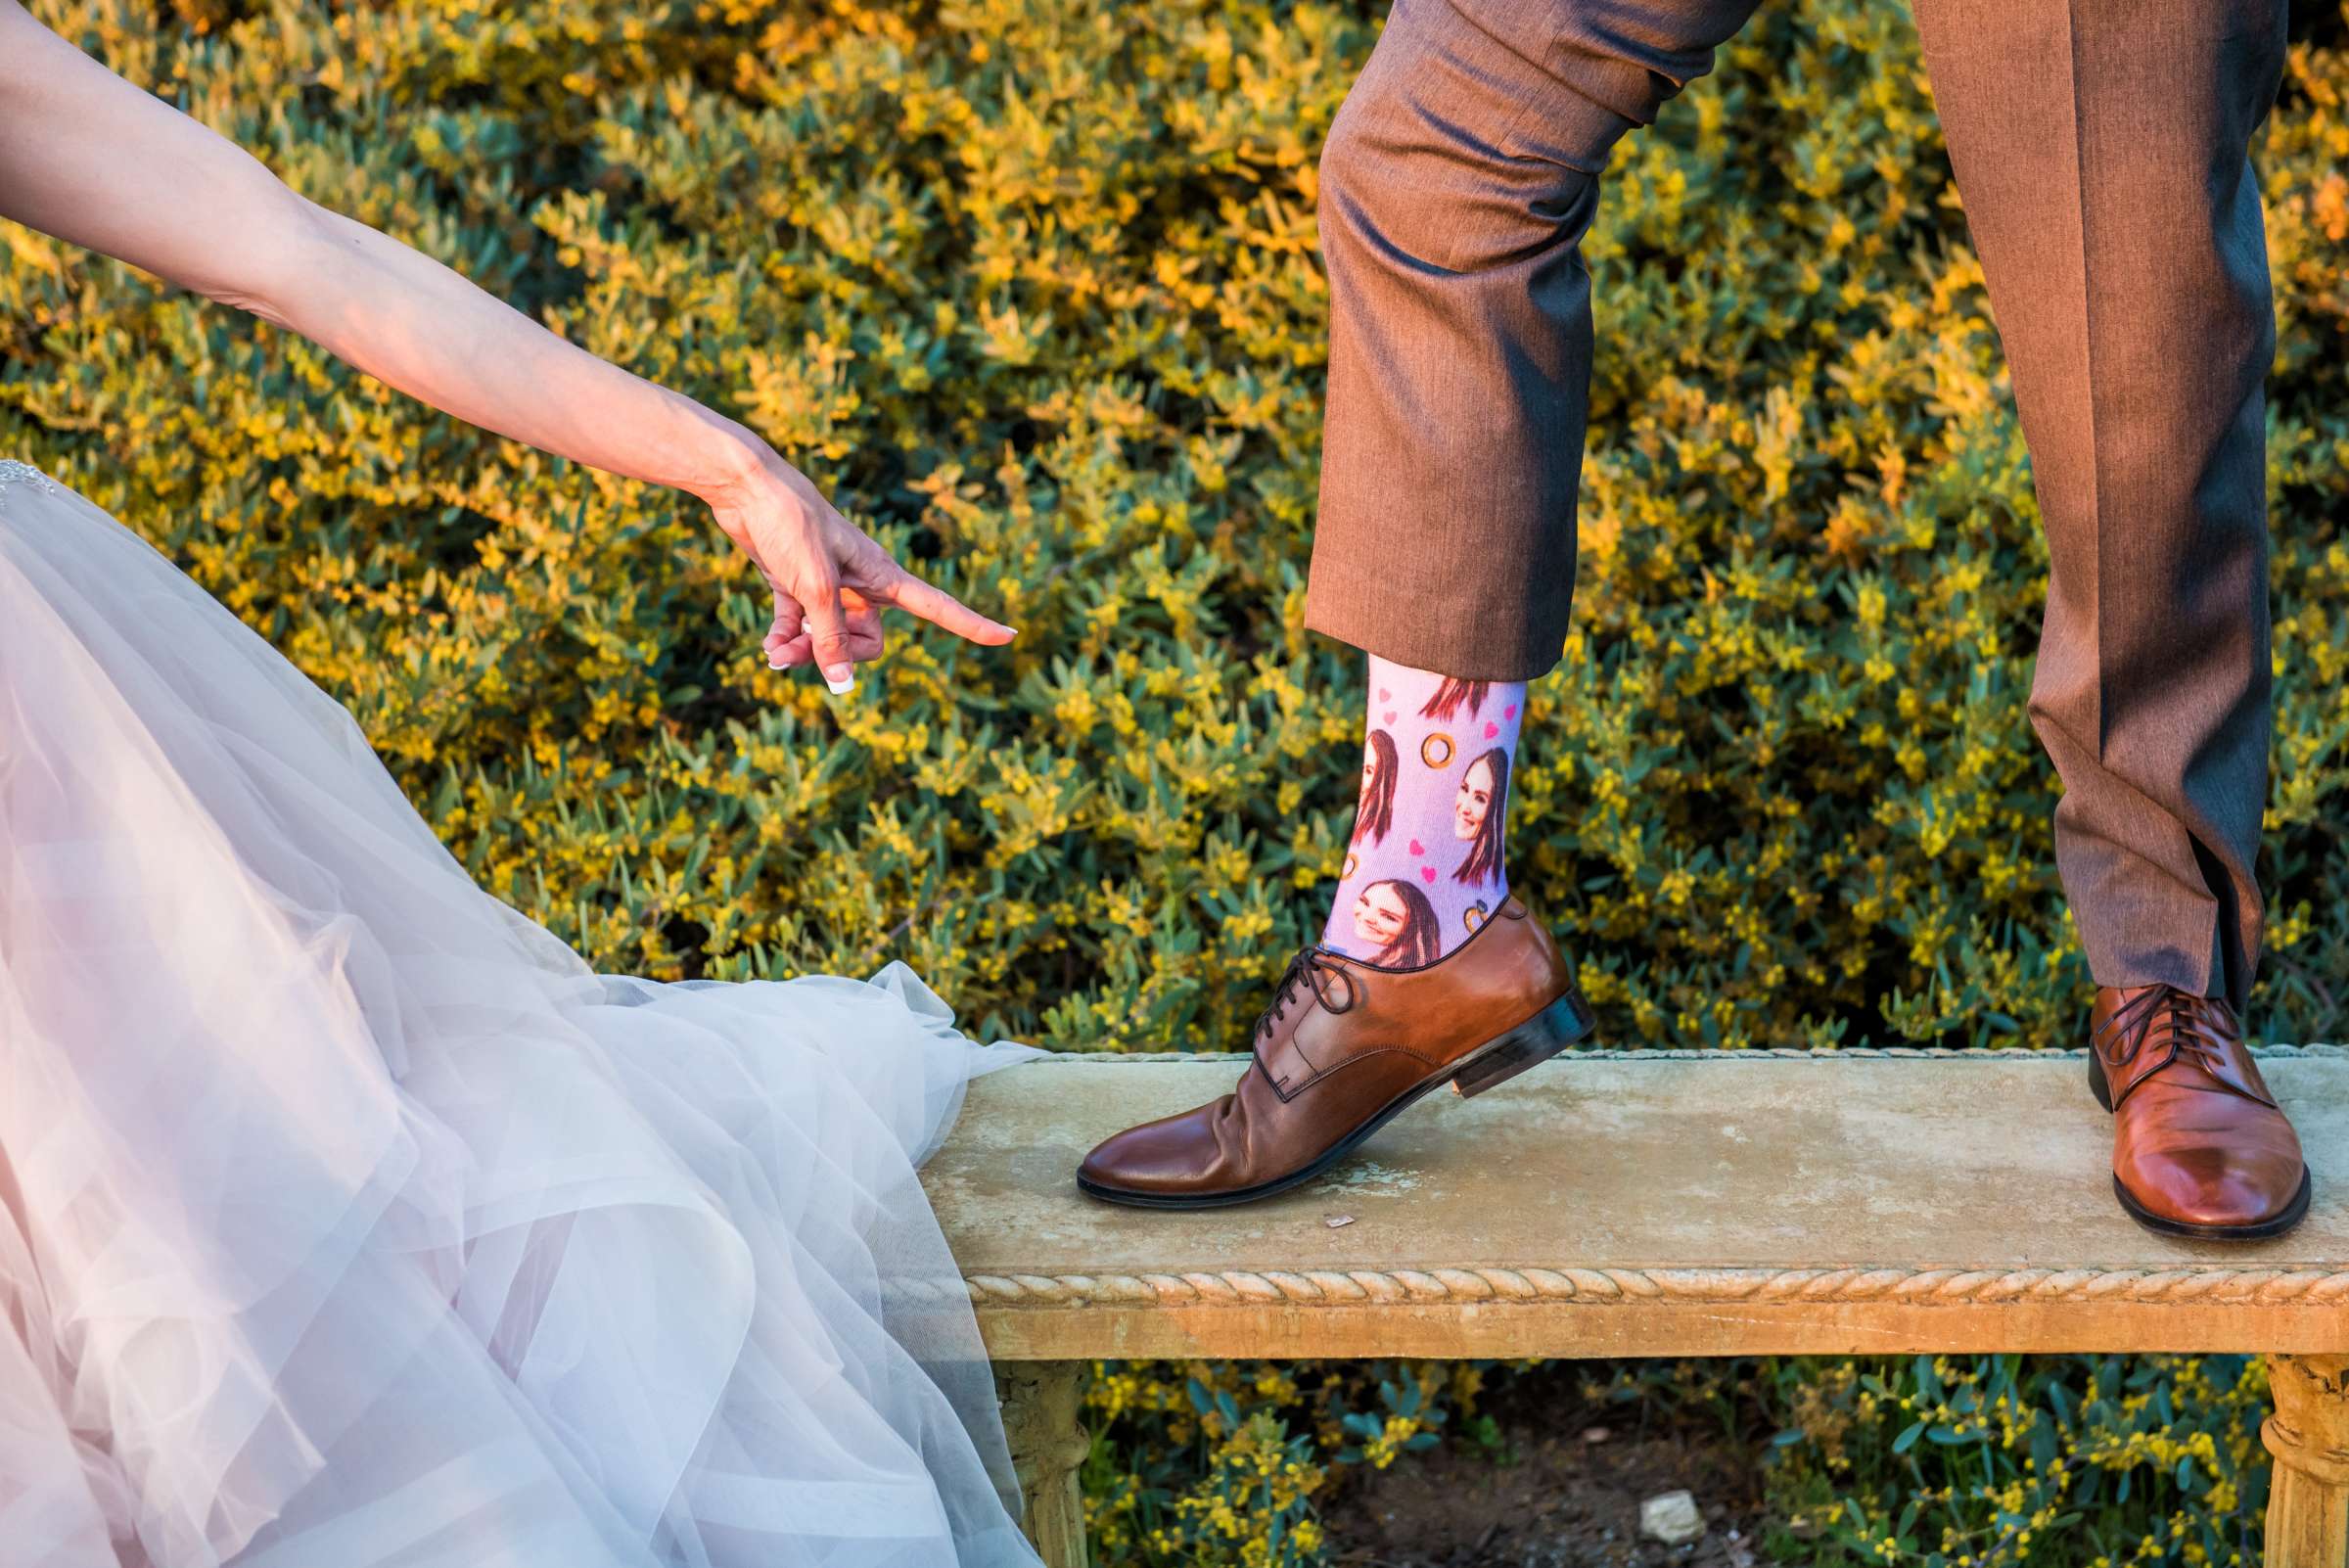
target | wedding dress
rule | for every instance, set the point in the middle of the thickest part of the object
(349, 1220)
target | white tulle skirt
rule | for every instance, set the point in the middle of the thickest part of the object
(349, 1220)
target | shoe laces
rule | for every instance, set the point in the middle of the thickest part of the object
(1318, 969)
(2204, 1029)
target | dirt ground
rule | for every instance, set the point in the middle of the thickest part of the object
(1564, 1493)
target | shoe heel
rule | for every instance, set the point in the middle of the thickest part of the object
(1537, 1040)
(2097, 1085)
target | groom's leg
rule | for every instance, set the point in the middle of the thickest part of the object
(2101, 150)
(2101, 147)
(1457, 183)
(1456, 186)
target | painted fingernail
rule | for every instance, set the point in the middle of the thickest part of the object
(839, 679)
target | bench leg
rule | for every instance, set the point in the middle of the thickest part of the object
(1040, 1401)
(2308, 1497)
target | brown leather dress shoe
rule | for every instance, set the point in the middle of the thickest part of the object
(1343, 1048)
(2199, 1147)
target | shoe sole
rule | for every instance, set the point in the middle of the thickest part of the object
(2275, 1224)
(1540, 1037)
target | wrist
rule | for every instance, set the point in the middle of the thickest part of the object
(736, 463)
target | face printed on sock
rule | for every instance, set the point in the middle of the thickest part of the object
(1379, 914)
(1477, 815)
(1425, 860)
(1399, 923)
(1474, 801)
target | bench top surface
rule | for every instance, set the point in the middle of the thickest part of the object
(1840, 1188)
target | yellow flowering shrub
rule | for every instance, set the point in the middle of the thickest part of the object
(1220, 1462)
(1031, 288)
(1964, 1462)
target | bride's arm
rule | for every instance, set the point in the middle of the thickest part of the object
(94, 161)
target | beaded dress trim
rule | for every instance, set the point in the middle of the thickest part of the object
(14, 472)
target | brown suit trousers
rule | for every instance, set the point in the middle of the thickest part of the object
(2100, 149)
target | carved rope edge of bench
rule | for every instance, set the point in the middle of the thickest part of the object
(1905, 1286)
(1679, 1053)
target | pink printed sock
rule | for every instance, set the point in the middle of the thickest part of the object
(1426, 864)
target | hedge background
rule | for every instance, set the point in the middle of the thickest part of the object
(1031, 288)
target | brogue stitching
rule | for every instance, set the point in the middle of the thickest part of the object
(1352, 1057)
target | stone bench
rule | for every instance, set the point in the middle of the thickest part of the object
(1651, 1203)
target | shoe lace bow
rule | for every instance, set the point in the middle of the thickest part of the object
(1318, 969)
(2202, 1028)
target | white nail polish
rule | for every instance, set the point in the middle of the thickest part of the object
(841, 687)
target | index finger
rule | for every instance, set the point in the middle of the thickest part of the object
(934, 605)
